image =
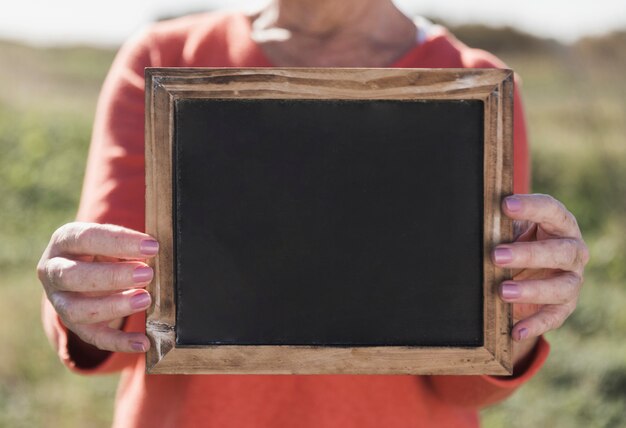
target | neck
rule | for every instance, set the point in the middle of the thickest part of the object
(332, 32)
(326, 18)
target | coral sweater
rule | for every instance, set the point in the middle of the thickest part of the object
(114, 193)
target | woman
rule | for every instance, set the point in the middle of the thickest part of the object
(93, 273)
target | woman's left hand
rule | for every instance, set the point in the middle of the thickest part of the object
(548, 258)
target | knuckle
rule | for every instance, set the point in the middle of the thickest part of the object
(566, 216)
(555, 320)
(543, 197)
(65, 236)
(546, 324)
(533, 250)
(548, 319)
(584, 253)
(93, 235)
(570, 308)
(73, 314)
(569, 252)
(581, 254)
(568, 219)
(568, 288)
(564, 312)
(42, 271)
(574, 280)
(113, 276)
(554, 203)
(118, 276)
(558, 322)
(557, 210)
(98, 339)
(549, 201)
(63, 308)
(59, 234)
(68, 274)
(52, 274)
(557, 206)
(62, 274)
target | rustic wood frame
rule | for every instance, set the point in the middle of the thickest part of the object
(166, 85)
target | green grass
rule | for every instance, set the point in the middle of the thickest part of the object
(576, 109)
(45, 126)
(35, 389)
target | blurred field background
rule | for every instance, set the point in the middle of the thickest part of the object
(575, 98)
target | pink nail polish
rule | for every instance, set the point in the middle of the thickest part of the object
(503, 255)
(513, 204)
(138, 346)
(149, 247)
(140, 301)
(143, 274)
(523, 333)
(511, 290)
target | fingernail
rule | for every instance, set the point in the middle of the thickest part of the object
(513, 204)
(138, 346)
(149, 247)
(523, 333)
(140, 301)
(143, 274)
(510, 290)
(503, 255)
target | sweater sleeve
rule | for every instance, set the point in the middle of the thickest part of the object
(113, 188)
(481, 391)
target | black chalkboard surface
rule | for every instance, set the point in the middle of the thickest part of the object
(327, 220)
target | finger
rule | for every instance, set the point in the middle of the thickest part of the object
(72, 275)
(564, 254)
(551, 214)
(102, 240)
(108, 339)
(559, 289)
(75, 308)
(548, 318)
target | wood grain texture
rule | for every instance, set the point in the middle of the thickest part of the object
(160, 317)
(498, 182)
(165, 85)
(315, 360)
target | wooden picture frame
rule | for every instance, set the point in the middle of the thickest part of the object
(164, 86)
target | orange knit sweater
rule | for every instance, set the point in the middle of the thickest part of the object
(114, 193)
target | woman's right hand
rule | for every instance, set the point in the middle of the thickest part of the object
(93, 275)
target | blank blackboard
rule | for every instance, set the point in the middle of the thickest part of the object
(327, 220)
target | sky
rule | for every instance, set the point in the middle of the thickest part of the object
(49, 22)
